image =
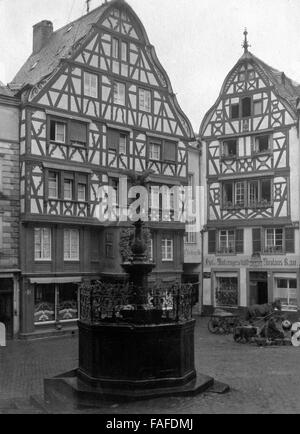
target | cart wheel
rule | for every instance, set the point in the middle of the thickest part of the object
(213, 326)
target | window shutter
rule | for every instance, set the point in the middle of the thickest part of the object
(212, 242)
(113, 139)
(239, 241)
(78, 132)
(256, 240)
(289, 240)
(170, 151)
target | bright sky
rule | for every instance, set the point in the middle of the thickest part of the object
(197, 41)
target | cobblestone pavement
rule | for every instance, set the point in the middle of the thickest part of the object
(262, 380)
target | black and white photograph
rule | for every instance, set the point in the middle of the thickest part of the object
(149, 210)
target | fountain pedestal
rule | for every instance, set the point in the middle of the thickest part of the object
(134, 357)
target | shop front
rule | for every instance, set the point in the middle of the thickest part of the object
(236, 283)
(50, 305)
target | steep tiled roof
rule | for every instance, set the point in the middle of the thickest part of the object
(5, 91)
(60, 46)
(286, 87)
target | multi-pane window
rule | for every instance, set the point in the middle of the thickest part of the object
(57, 131)
(145, 100)
(90, 85)
(53, 185)
(227, 241)
(115, 48)
(240, 193)
(167, 249)
(71, 245)
(262, 144)
(75, 131)
(119, 93)
(286, 291)
(56, 302)
(191, 238)
(155, 152)
(274, 240)
(250, 194)
(68, 189)
(42, 244)
(117, 141)
(230, 148)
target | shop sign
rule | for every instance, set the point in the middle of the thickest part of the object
(253, 262)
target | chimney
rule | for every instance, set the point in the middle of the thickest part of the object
(41, 33)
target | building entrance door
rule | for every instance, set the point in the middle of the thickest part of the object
(6, 305)
(259, 288)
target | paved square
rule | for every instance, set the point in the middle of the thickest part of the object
(262, 380)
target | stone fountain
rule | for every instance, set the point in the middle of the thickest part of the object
(132, 353)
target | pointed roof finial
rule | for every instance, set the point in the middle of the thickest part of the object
(87, 6)
(246, 45)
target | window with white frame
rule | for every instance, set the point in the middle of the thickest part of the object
(71, 245)
(167, 249)
(124, 51)
(227, 241)
(115, 48)
(53, 185)
(68, 189)
(119, 93)
(42, 244)
(145, 100)
(90, 85)
(57, 131)
(286, 291)
(240, 193)
(274, 240)
(155, 151)
(191, 238)
(81, 191)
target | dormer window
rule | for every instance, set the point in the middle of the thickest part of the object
(246, 107)
(230, 148)
(262, 144)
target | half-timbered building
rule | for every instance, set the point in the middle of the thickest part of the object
(251, 171)
(9, 211)
(96, 103)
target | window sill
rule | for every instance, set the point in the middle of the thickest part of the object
(75, 261)
(227, 254)
(262, 154)
(43, 261)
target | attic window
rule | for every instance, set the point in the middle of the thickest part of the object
(34, 65)
(69, 28)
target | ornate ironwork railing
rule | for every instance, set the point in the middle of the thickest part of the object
(105, 302)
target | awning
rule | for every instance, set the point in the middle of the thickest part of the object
(285, 275)
(224, 274)
(47, 280)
